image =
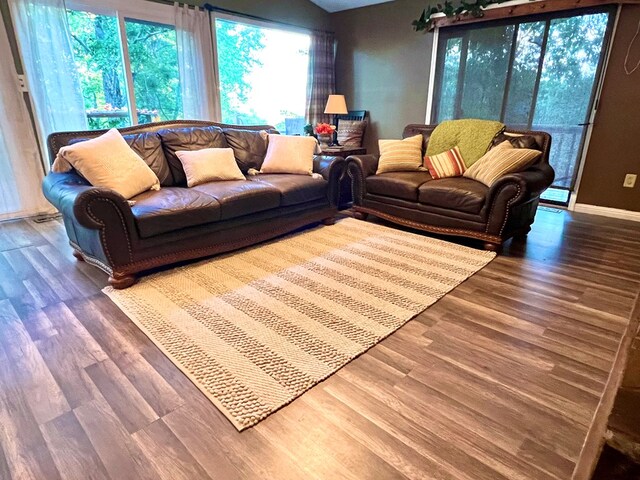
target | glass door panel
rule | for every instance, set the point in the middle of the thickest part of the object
(567, 82)
(524, 73)
(96, 49)
(451, 69)
(153, 56)
(486, 72)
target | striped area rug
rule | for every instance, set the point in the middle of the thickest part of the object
(256, 328)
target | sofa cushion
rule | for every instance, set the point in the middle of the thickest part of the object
(294, 189)
(241, 197)
(173, 208)
(188, 138)
(397, 184)
(351, 132)
(249, 146)
(289, 154)
(457, 193)
(400, 155)
(209, 165)
(149, 147)
(107, 161)
(500, 161)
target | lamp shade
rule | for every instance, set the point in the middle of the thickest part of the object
(336, 105)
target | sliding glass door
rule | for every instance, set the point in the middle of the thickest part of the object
(532, 73)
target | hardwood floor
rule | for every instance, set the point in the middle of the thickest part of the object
(497, 380)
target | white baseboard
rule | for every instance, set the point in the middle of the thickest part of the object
(607, 211)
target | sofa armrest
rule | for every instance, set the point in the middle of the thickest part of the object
(530, 183)
(328, 166)
(359, 167)
(331, 169)
(515, 189)
(368, 163)
(100, 219)
(73, 196)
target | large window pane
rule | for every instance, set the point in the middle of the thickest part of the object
(153, 55)
(524, 74)
(262, 73)
(451, 68)
(96, 49)
(568, 75)
(486, 72)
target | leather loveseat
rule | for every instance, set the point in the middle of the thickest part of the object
(176, 223)
(455, 206)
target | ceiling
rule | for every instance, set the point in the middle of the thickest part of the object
(338, 5)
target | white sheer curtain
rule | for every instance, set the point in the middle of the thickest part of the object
(195, 59)
(20, 164)
(45, 46)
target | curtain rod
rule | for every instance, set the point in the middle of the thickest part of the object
(212, 8)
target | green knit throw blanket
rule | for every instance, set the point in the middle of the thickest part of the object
(472, 136)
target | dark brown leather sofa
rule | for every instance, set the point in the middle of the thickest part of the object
(455, 206)
(177, 223)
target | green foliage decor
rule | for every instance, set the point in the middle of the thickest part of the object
(474, 9)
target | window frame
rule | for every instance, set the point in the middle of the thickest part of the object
(123, 10)
(247, 20)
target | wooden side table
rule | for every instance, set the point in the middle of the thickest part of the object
(343, 151)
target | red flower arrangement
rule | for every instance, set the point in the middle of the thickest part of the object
(325, 129)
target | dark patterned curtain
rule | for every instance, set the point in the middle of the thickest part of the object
(322, 79)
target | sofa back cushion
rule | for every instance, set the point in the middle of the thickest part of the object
(188, 138)
(149, 147)
(249, 146)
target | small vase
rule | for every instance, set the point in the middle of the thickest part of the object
(324, 139)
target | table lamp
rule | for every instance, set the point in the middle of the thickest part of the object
(336, 105)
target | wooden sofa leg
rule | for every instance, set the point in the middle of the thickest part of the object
(78, 255)
(522, 234)
(360, 215)
(490, 246)
(329, 221)
(120, 283)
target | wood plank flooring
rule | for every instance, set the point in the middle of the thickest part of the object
(498, 380)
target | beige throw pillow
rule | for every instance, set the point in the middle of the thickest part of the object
(289, 154)
(501, 160)
(108, 161)
(350, 132)
(208, 165)
(401, 155)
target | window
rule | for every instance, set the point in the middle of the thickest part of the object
(150, 58)
(537, 72)
(262, 73)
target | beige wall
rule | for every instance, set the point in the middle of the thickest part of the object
(382, 65)
(614, 149)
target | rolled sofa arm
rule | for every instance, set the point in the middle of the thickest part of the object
(98, 220)
(515, 189)
(331, 169)
(359, 167)
(530, 183)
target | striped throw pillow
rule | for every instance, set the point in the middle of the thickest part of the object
(400, 155)
(501, 160)
(445, 164)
